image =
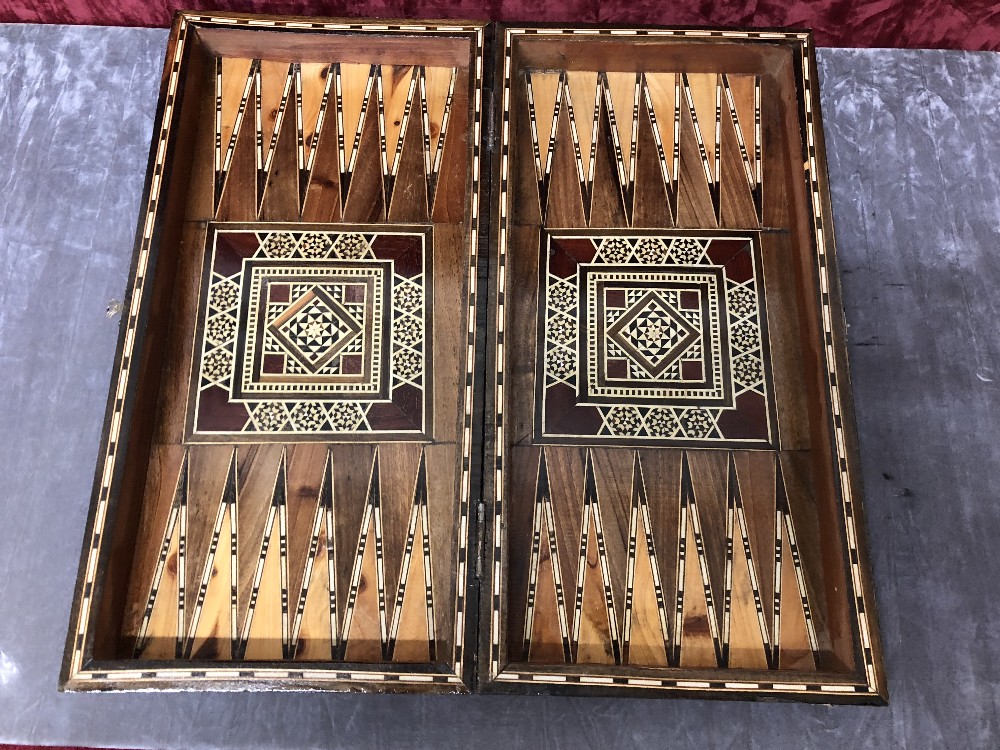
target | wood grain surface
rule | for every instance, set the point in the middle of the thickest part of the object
(307, 435)
(666, 496)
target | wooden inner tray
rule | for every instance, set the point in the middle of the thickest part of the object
(637, 474)
(290, 464)
(675, 495)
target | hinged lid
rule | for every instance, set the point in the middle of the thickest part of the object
(285, 495)
(676, 500)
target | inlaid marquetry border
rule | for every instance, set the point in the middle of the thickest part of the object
(836, 375)
(80, 671)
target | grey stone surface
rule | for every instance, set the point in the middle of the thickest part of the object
(914, 155)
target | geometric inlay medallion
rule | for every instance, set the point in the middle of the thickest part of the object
(653, 339)
(651, 332)
(319, 332)
(316, 327)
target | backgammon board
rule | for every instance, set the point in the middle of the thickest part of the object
(462, 357)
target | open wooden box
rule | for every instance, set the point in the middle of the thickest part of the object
(469, 358)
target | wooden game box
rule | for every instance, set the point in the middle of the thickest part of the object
(461, 357)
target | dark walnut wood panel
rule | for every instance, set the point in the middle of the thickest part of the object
(676, 499)
(292, 505)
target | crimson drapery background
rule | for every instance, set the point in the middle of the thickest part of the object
(946, 24)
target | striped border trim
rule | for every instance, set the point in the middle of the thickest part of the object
(308, 673)
(861, 604)
(470, 356)
(678, 684)
(124, 372)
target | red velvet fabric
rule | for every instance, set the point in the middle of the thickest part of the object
(948, 24)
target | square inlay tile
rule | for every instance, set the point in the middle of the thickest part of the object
(313, 332)
(653, 334)
(314, 329)
(654, 338)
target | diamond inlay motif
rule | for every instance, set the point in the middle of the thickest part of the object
(652, 333)
(315, 328)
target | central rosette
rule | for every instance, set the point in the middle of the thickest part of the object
(653, 333)
(315, 329)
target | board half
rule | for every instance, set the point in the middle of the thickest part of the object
(283, 498)
(674, 485)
